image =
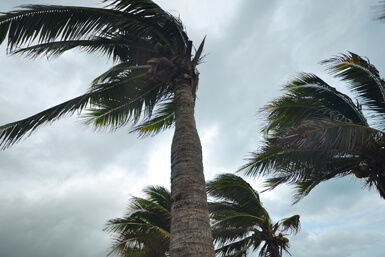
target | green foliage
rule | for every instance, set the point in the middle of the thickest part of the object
(241, 224)
(149, 46)
(145, 230)
(315, 133)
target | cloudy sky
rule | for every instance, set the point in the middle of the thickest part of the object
(59, 186)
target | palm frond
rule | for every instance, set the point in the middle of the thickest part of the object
(222, 234)
(233, 188)
(336, 136)
(119, 72)
(159, 195)
(363, 78)
(309, 97)
(162, 119)
(145, 230)
(170, 28)
(135, 101)
(198, 54)
(13, 132)
(291, 224)
(46, 23)
(117, 47)
(235, 249)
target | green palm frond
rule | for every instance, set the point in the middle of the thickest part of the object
(162, 119)
(109, 104)
(13, 132)
(119, 72)
(46, 23)
(363, 78)
(145, 230)
(116, 47)
(169, 26)
(290, 224)
(309, 97)
(234, 189)
(235, 249)
(132, 103)
(329, 135)
(159, 195)
(222, 234)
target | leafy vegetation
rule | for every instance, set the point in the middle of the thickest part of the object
(315, 133)
(145, 230)
(240, 223)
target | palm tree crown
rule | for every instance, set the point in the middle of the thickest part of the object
(315, 133)
(145, 230)
(149, 46)
(241, 224)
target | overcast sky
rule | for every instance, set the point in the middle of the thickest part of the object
(59, 186)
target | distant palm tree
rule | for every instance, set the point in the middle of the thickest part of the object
(145, 230)
(240, 223)
(315, 133)
(153, 86)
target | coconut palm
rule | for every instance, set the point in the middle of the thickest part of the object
(145, 229)
(151, 87)
(315, 133)
(240, 223)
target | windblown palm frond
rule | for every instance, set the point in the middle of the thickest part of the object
(309, 97)
(162, 119)
(145, 230)
(363, 79)
(242, 225)
(315, 133)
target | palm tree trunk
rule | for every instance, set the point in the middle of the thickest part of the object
(190, 224)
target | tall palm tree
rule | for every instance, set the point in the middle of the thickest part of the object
(152, 87)
(241, 224)
(145, 230)
(315, 133)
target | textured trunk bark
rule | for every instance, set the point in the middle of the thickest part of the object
(190, 224)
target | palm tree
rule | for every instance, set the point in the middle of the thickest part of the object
(145, 230)
(241, 224)
(315, 133)
(151, 87)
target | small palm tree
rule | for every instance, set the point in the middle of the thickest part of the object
(241, 224)
(315, 133)
(145, 230)
(151, 87)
